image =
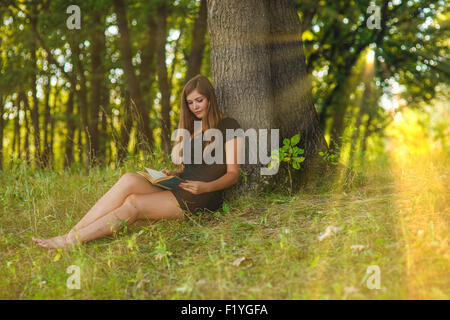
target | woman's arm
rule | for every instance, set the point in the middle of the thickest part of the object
(233, 149)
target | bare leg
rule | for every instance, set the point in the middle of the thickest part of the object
(154, 206)
(128, 184)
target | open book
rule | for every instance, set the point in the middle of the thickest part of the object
(160, 179)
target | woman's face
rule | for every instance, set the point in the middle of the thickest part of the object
(198, 104)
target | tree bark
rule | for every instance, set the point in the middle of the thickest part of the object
(259, 74)
(293, 108)
(194, 61)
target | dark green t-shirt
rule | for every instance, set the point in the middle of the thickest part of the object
(205, 172)
(209, 172)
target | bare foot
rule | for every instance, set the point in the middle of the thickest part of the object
(53, 243)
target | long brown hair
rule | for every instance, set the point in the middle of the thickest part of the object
(187, 118)
(213, 116)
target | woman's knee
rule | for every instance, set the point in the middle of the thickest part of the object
(129, 179)
(132, 202)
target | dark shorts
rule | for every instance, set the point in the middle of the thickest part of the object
(205, 202)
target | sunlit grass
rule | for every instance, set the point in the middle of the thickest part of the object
(422, 179)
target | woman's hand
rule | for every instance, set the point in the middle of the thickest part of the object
(195, 187)
(168, 172)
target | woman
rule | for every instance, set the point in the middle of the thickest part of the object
(133, 198)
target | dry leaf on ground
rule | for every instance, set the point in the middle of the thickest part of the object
(328, 232)
(243, 262)
(358, 247)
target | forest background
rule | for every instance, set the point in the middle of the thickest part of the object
(81, 106)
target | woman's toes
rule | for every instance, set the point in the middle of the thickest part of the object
(37, 240)
(43, 243)
(53, 243)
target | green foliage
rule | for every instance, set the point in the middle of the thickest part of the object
(329, 158)
(244, 175)
(289, 153)
(123, 226)
(225, 207)
(410, 51)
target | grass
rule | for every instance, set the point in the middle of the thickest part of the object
(400, 215)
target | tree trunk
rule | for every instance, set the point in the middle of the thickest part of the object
(147, 68)
(194, 61)
(367, 79)
(16, 139)
(367, 132)
(97, 80)
(132, 82)
(259, 74)
(79, 129)
(175, 58)
(68, 152)
(338, 99)
(26, 108)
(46, 127)
(52, 129)
(334, 107)
(83, 104)
(163, 81)
(293, 107)
(35, 116)
(103, 134)
(78, 142)
(35, 110)
(125, 129)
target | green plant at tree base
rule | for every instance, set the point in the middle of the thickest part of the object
(329, 157)
(290, 154)
(243, 175)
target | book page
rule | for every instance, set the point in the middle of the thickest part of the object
(155, 174)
